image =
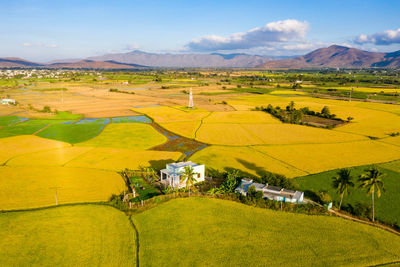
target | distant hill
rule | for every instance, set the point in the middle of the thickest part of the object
(336, 56)
(14, 62)
(91, 64)
(215, 60)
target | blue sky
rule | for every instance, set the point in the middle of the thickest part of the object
(43, 30)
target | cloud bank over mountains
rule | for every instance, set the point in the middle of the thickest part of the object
(269, 35)
(381, 38)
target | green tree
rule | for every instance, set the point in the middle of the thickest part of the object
(371, 180)
(326, 112)
(188, 175)
(231, 182)
(342, 182)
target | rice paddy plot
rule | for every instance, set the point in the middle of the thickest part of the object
(24, 144)
(297, 134)
(243, 158)
(184, 128)
(131, 119)
(72, 133)
(314, 158)
(8, 120)
(52, 157)
(287, 92)
(116, 159)
(30, 126)
(82, 235)
(100, 121)
(173, 114)
(248, 117)
(226, 134)
(31, 187)
(136, 136)
(212, 232)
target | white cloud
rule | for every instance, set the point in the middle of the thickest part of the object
(132, 46)
(273, 32)
(40, 45)
(381, 38)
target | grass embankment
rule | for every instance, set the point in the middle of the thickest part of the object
(84, 235)
(199, 232)
(386, 207)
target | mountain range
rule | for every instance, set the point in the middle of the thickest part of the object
(336, 56)
(330, 57)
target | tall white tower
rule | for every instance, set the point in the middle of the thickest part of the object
(191, 105)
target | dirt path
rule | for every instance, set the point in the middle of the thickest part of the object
(364, 222)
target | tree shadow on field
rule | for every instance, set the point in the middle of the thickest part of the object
(261, 171)
(160, 164)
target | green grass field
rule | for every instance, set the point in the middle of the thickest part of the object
(71, 133)
(386, 207)
(29, 126)
(210, 232)
(84, 235)
(7, 120)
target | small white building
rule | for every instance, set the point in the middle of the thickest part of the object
(171, 175)
(271, 192)
(8, 101)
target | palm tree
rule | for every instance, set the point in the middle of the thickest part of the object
(188, 175)
(342, 182)
(371, 180)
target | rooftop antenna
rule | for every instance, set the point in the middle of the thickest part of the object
(191, 105)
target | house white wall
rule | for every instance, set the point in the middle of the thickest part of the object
(171, 175)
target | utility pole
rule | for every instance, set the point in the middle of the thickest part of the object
(191, 105)
(351, 91)
(56, 195)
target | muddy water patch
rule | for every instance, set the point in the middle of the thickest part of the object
(177, 143)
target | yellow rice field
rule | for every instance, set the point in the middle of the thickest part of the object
(31, 187)
(246, 159)
(118, 159)
(173, 114)
(314, 158)
(23, 144)
(136, 136)
(255, 134)
(54, 157)
(241, 117)
(184, 128)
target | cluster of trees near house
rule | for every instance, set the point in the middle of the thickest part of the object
(296, 116)
(225, 183)
(371, 181)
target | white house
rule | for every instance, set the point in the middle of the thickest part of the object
(271, 192)
(171, 175)
(7, 101)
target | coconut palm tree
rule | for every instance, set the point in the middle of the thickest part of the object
(188, 175)
(371, 180)
(342, 182)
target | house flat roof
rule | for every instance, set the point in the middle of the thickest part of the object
(182, 164)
